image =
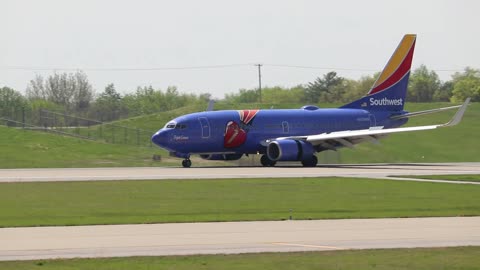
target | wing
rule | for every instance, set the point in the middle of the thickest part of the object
(334, 140)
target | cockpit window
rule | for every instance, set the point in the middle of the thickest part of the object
(170, 125)
(181, 126)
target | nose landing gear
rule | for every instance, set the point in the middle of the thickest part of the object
(186, 163)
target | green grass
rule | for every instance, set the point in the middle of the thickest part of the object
(457, 177)
(35, 149)
(417, 258)
(128, 202)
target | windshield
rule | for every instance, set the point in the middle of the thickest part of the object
(170, 125)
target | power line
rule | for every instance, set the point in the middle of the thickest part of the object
(112, 69)
(30, 68)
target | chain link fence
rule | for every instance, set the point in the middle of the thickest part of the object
(62, 123)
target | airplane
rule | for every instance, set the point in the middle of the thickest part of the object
(298, 134)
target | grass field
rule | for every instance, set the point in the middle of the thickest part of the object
(33, 149)
(128, 202)
(464, 177)
(419, 258)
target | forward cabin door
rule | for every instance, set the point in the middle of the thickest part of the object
(205, 126)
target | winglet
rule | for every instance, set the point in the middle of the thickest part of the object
(458, 115)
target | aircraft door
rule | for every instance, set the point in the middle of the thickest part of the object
(373, 120)
(205, 126)
(285, 126)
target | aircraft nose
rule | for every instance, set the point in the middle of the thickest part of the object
(160, 138)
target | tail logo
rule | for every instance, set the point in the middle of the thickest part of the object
(386, 102)
(398, 65)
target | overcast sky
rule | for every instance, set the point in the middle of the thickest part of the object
(99, 36)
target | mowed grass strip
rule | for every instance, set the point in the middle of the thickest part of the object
(417, 258)
(457, 177)
(128, 202)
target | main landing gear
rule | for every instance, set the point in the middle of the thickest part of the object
(266, 162)
(312, 162)
(186, 163)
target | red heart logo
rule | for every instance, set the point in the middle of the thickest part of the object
(234, 135)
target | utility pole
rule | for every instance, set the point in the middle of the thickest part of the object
(259, 80)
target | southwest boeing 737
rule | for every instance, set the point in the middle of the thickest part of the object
(297, 134)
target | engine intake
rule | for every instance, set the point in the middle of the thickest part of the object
(289, 150)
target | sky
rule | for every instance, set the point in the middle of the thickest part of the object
(213, 46)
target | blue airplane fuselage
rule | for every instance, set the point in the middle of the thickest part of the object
(244, 131)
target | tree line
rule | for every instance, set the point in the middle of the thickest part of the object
(424, 86)
(72, 93)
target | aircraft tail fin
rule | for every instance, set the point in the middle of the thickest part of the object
(389, 90)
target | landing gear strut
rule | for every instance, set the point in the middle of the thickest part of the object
(266, 162)
(312, 162)
(186, 163)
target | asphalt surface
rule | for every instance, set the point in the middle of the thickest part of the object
(235, 237)
(365, 170)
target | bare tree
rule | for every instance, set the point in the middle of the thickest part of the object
(36, 89)
(73, 91)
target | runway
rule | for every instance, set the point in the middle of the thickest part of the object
(125, 173)
(235, 237)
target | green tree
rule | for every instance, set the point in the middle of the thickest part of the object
(11, 103)
(444, 93)
(322, 89)
(360, 87)
(243, 96)
(423, 84)
(108, 106)
(279, 95)
(466, 84)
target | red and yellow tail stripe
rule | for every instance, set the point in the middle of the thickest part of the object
(398, 65)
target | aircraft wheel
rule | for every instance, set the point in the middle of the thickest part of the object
(310, 162)
(187, 163)
(266, 162)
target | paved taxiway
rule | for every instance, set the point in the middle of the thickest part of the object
(365, 170)
(235, 237)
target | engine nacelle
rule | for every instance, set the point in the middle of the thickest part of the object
(222, 156)
(289, 150)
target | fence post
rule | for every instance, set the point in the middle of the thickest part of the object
(125, 135)
(23, 117)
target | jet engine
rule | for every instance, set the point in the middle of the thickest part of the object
(222, 156)
(289, 150)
